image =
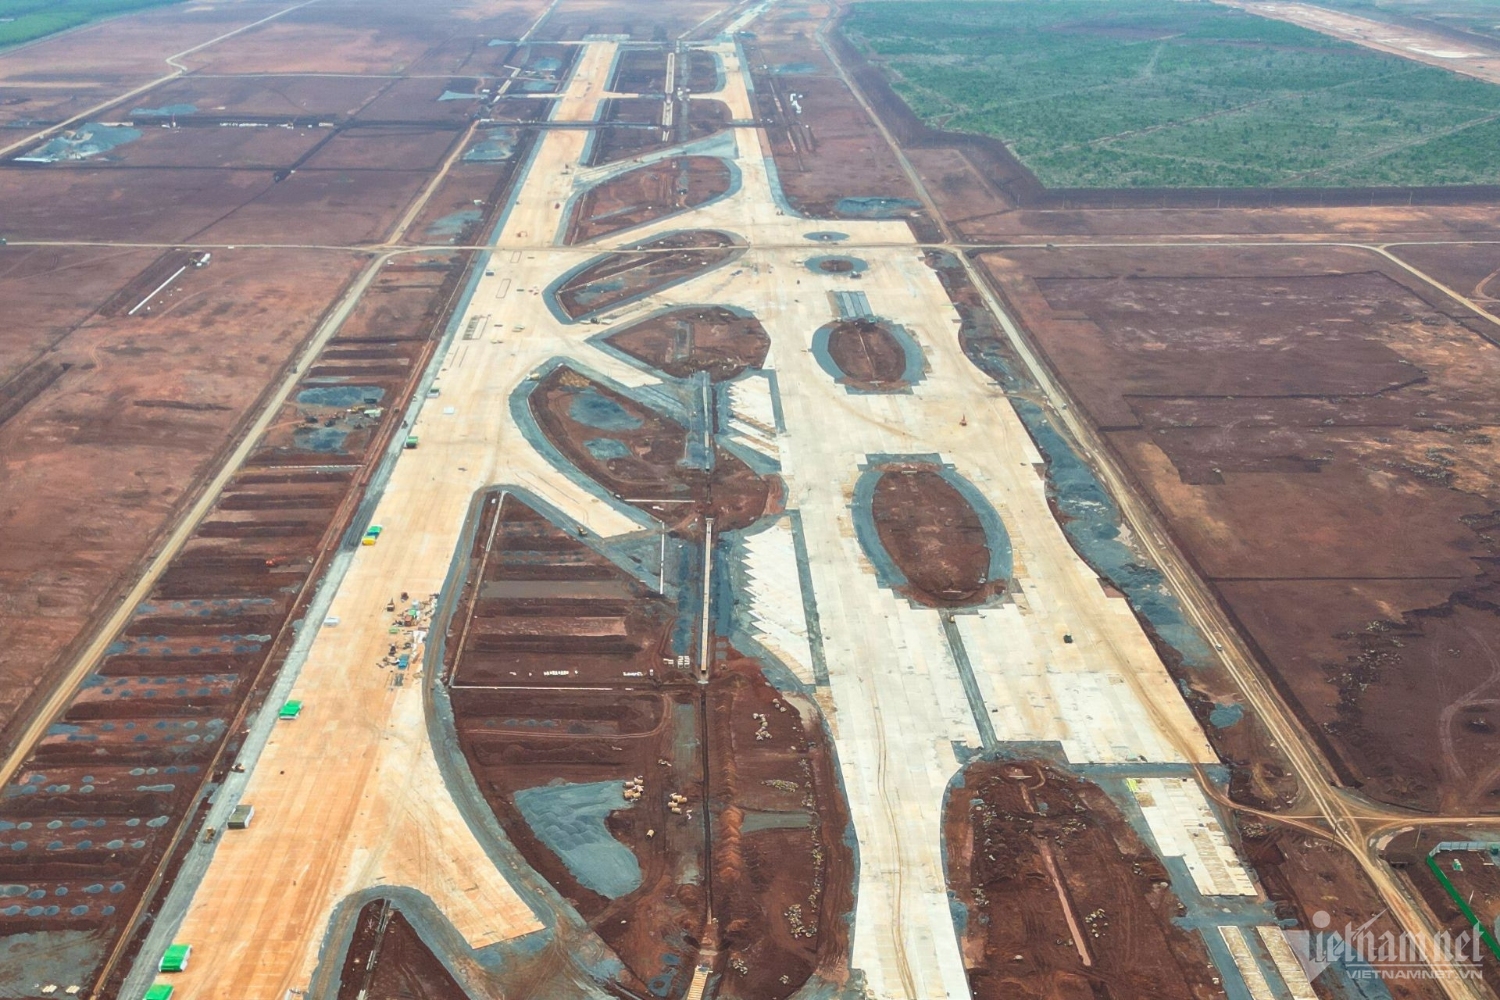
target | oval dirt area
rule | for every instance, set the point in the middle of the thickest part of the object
(713, 339)
(935, 538)
(869, 355)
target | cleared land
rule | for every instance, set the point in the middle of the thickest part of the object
(1062, 897)
(1240, 385)
(1150, 93)
(718, 553)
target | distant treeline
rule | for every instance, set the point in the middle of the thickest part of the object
(26, 20)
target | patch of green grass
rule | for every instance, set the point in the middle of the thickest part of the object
(27, 20)
(1167, 93)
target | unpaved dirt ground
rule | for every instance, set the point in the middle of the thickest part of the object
(565, 670)
(868, 354)
(699, 338)
(1470, 269)
(1305, 875)
(1242, 384)
(828, 151)
(1472, 873)
(645, 195)
(163, 713)
(629, 130)
(642, 455)
(1022, 836)
(109, 420)
(658, 22)
(622, 277)
(387, 960)
(934, 536)
(103, 455)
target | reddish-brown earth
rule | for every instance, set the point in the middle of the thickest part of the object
(1470, 269)
(631, 126)
(640, 196)
(1305, 875)
(163, 714)
(696, 338)
(656, 22)
(1239, 385)
(831, 150)
(622, 277)
(640, 71)
(868, 354)
(1027, 843)
(108, 430)
(648, 471)
(934, 536)
(563, 669)
(387, 960)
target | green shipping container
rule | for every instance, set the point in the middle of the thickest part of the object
(161, 991)
(176, 958)
(291, 710)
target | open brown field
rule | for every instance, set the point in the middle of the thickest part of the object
(48, 103)
(280, 96)
(205, 645)
(617, 278)
(325, 207)
(428, 100)
(116, 404)
(384, 147)
(109, 450)
(261, 150)
(1242, 384)
(684, 341)
(1304, 875)
(1470, 269)
(93, 203)
(388, 960)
